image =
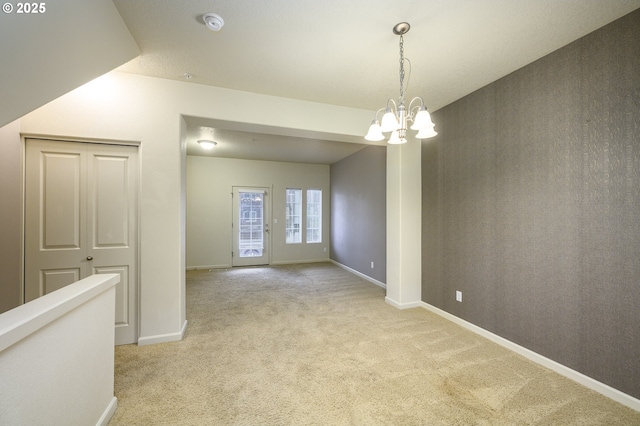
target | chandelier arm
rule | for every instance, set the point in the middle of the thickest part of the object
(417, 98)
(410, 110)
(378, 112)
(395, 106)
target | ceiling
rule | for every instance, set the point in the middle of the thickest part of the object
(253, 142)
(345, 53)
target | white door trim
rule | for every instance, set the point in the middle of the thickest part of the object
(263, 258)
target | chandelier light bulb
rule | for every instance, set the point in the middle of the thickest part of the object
(422, 120)
(427, 133)
(375, 132)
(389, 121)
(395, 138)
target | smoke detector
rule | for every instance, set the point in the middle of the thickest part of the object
(212, 21)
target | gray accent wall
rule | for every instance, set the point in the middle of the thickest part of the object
(358, 212)
(531, 206)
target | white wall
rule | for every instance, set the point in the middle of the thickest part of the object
(10, 217)
(47, 54)
(57, 357)
(128, 107)
(209, 207)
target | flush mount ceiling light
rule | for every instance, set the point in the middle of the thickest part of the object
(396, 115)
(212, 21)
(207, 144)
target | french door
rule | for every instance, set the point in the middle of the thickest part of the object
(250, 226)
(81, 204)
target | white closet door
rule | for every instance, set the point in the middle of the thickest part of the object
(81, 219)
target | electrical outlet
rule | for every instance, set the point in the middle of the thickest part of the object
(458, 296)
(371, 265)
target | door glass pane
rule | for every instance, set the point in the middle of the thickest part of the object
(251, 229)
(314, 216)
(293, 216)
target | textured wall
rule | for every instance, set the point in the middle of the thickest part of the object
(358, 212)
(531, 201)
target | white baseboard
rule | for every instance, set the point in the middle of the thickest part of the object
(399, 305)
(195, 268)
(277, 262)
(563, 370)
(108, 412)
(163, 338)
(360, 274)
(292, 262)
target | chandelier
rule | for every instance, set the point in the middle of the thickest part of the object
(397, 115)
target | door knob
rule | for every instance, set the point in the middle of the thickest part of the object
(89, 257)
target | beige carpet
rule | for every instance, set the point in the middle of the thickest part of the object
(316, 345)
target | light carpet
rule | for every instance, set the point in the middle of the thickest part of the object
(316, 345)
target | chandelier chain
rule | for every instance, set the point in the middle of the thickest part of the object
(401, 69)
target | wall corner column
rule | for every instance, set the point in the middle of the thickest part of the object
(404, 223)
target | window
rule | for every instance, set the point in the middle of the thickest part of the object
(293, 216)
(314, 216)
(251, 237)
